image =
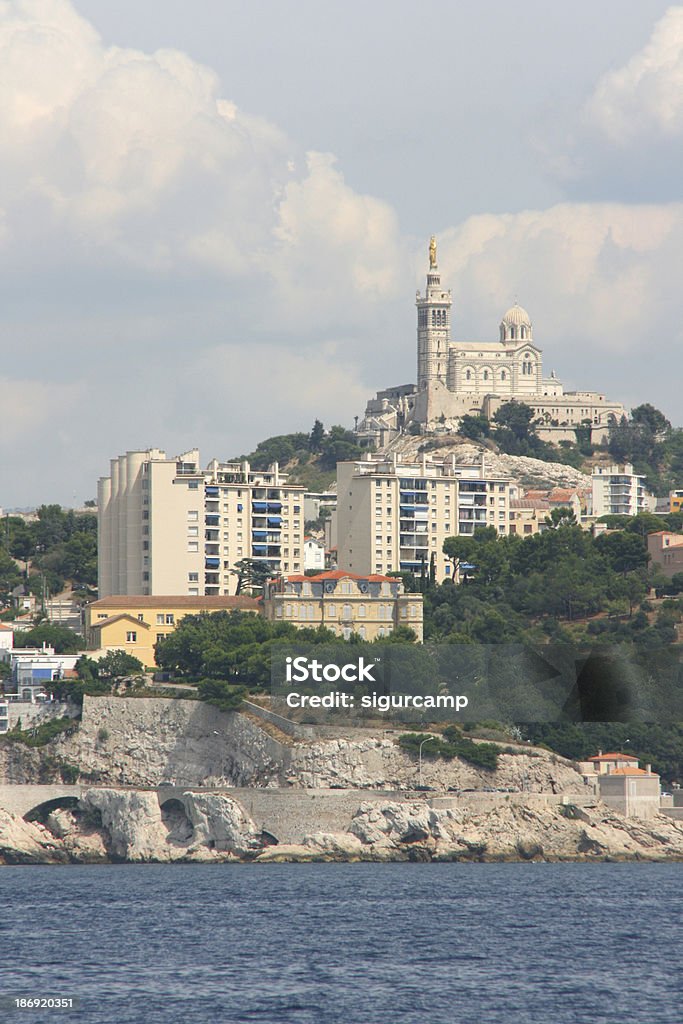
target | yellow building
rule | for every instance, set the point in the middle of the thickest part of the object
(675, 501)
(134, 624)
(371, 606)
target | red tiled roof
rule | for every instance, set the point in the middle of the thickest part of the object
(117, 618)
(613, 757)
(342, 574)
(179, 601)
(629, 771)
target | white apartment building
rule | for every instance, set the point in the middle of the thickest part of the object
(617, 490)
(394, 516)
(166, 526)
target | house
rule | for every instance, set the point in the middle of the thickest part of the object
(623, 785)
(134, 624)
(666, 551)
(370, 605)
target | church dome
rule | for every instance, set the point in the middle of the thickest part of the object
(516, 316)
(516, 325)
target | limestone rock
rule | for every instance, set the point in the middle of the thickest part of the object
(220, 823)
(24, 842)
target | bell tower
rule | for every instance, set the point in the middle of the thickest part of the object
(433, 325)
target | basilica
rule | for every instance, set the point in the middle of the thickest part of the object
(457, 378)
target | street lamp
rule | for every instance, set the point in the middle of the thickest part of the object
(428, 738)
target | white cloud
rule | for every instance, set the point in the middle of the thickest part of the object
(122, 156)
(645, 97)
(600, 281)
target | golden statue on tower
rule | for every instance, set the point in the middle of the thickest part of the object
(432, 252)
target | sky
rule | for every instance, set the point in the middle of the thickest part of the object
(214, 216)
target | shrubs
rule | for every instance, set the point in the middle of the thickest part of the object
(452, 744)
(42, 734)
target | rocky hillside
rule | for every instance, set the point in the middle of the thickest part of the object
(531, 473)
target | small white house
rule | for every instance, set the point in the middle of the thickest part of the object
(314, 554)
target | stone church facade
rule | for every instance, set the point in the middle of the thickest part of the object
(456, 378)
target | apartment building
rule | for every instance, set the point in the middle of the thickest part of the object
(393, 516)
(370, 605)
(617, 490)
(167, 526)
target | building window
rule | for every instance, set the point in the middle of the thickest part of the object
(131, 636)
(193, 577)
(193, 531)
(170, 619)
(193, 515)
(332, 611)
(192, 546)
(160, 619)
(193, 485)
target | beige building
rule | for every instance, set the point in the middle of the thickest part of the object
(134, 624)
(666, 551)
(370, 605)
(605, 764)
(622, 784)
(457, 378)
(167, 526)
(617, 490)
(634, 792)
(394, 516)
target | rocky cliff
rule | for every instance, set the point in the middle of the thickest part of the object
(323, 799)
(123, 825)
(149, 741)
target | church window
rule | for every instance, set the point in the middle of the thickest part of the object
(486, 374)
(522, 333)
(468, 375)
(503, 375)
(512, 332)
(433, 318)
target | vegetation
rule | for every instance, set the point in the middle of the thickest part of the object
(42, 734)
(563, 585)
(452, 744)
(658, 745)
(232, 647)
(222, 695)
(61, 638)
(310, 459)
(96, 678)
(57, 546)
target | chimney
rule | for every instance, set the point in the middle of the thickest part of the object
(648, 769)
(599, 753)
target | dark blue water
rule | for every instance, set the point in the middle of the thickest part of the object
(345, 943)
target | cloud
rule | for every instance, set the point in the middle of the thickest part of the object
(116, 157)
(598, 279)
(626, 142)
(645, 97)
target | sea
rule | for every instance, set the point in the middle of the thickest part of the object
(528, 943)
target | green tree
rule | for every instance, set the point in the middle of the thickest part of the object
(316, 437)
(558, 517)
(474, 427)
(655, 421)
(61, 638)
(252, 575)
